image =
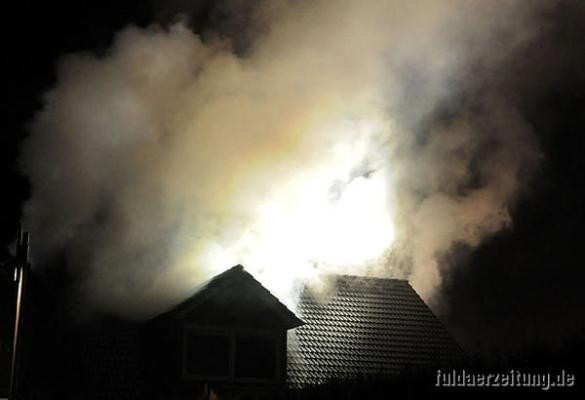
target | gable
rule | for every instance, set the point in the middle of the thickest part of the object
(237, 305)
(234, 298)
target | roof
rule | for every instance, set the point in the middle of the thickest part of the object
(235, 291)
(367, 326)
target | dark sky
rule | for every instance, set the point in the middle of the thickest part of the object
(525, 286)
(35, 35)
(522, 287)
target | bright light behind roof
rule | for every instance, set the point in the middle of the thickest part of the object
(325, 218)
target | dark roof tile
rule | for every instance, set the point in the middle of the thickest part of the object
(368, 326)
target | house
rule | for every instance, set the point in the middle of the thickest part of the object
(233, 339)
(229, 338)
(235, 336)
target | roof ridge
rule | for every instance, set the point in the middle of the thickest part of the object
(199, 288)
(378, 278)
(225, 280)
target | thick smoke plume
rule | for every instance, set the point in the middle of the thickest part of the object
(344, 136)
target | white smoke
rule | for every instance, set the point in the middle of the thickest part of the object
(168, 159)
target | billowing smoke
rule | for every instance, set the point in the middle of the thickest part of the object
(342, 136)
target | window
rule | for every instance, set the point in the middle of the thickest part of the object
(207, 354)
(255, 356)
(234, 354)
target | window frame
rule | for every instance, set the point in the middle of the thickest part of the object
(191, 329)
(232, 333)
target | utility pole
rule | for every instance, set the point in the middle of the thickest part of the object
(21, 272)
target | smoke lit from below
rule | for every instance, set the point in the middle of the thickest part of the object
(334, 217)
(319, 150)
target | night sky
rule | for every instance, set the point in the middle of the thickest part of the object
(525, 285)
(520, 289)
